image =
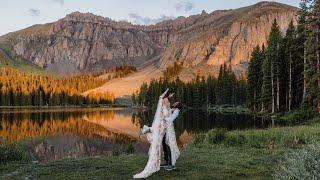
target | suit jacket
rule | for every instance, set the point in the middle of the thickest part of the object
(171, 136)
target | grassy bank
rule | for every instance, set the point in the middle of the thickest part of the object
(229, 109)
(250, 154)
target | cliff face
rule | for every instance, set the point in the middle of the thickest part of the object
(228, 36)
(82, 42)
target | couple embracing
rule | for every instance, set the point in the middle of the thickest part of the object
(161, 135)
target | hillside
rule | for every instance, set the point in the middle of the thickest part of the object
(83, 42)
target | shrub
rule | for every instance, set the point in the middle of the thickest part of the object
(236, 139)
(116, 152)
(288, 137)
(216, 136)
(199, 139)
(257, 139)
(298, 116)
(12, 152)
(130, 149)
(302, 164)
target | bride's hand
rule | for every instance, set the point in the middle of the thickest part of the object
(162, 95)
(166, 102)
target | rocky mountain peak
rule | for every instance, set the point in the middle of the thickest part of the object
(87, 42)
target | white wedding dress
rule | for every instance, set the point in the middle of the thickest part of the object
(159, 127)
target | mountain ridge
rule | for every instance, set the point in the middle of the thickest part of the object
(200, 43)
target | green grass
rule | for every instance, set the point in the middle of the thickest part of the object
(229, 109)
(195, 163)
(218, 154)
(302, 164)
(299, 116)
(292, 137)
(13, 152)
(8, 58)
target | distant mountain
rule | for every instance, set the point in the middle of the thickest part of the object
(83, 42)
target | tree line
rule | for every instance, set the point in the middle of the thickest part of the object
(285, 74)
(201, 92)
(282, 75)
(21, 89)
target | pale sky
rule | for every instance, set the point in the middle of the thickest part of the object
(19, 14)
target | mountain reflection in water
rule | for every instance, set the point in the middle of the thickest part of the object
(52, 134)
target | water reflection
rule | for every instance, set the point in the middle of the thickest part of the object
(195, 121)
(52, 134)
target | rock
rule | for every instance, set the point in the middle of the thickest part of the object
(83, 41)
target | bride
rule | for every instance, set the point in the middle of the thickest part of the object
(155, 135)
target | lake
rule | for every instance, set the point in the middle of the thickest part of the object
(51, 134)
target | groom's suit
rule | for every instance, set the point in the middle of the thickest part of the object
(170, 136)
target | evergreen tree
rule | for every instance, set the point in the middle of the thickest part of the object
(302, 31)
(199, 93)
(290, 56)
(312, 69)
(273, 56)
(255, 78)
(315, 49)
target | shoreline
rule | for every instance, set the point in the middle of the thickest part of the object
(248, 154)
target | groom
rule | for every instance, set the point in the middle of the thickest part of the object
(175, 109)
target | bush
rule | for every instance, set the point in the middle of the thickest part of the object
(130, 149)
(116, 152)
(199, 139)
(216, 136)
(236, 139)
(287, 137)
(12, 152)
(298, 116)
(302, 164)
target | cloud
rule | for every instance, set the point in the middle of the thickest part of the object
(184, 6)
(34, 12)
(58, 1)
(138, 19)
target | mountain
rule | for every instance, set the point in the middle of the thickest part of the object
(200, 43)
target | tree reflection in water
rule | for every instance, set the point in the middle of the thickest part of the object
(195, 121)
(57, 133)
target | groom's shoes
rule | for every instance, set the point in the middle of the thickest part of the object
(144, 130)
(169, 168)
(163, 165)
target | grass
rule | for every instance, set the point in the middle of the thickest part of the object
(302, 164)
(12, 152)
(229, 109)
(195, 163)
(281, 137)
(8, 58)
(218, 154)
(299, 116)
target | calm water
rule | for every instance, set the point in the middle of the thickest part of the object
(52, 134)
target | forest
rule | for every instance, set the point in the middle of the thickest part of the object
(282, 75)
(285, 75)
(22, 89)
(202, 92)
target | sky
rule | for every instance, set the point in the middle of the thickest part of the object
(19, 14)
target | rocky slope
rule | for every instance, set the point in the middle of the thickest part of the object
(83, 41)
(227, 36)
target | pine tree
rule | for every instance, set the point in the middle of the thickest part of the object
(315, 33)
(300, 62)
(313, 53)
(290, 49)
(302, 31)
(266, 98)
(273, 56)
(255, 78)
